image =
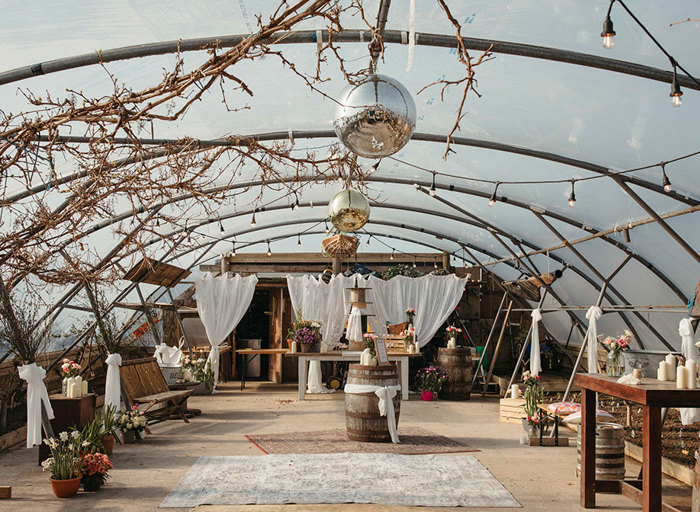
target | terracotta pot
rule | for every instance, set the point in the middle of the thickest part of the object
(130, 437)
(304, 347)
(426, 395)
(108, 443)
(65, 488)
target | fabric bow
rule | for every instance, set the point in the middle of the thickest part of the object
(386, 395)
(593, 314)
(535, 363)
(113, 381)
(36, 394)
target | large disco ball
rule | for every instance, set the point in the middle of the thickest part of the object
(348, 210)
(376, 118)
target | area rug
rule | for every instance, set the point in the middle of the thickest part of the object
(414, 441)
(381, 478)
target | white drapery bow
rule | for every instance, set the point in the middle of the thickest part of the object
(689, 415)
(535, 363)
(113, 381)
(386, 395)
(167, 356)
(593, 314)
(36, 394)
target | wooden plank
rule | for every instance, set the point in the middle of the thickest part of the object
(631, 492)
(669, 467)
(151, 271)
(494, 356)
(317, 257)
(13, 438)
(549, 441)
(588, 432)
(651, 463)
(649, 392)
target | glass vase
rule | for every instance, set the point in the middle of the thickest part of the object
(64, 387)
(615, 363)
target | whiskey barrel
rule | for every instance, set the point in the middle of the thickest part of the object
(362, 417)
(609, 451)
(457, 363)
(695, 500)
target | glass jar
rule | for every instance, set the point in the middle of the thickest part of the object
(615, 363)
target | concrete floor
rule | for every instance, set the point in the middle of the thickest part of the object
(541, 479)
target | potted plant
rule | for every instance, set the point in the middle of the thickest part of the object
(95, 467)
(429, 381)
(109, 427)
(615, 362)
(307, 333)
(198, 369)
(533, 397)
(65, 464)
(131, 424)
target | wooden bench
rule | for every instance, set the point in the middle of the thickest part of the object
(143, 385)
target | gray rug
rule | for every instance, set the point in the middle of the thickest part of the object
(381, 478)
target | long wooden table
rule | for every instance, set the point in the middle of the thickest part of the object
(351, 356)
(245, 352)
(652, 395)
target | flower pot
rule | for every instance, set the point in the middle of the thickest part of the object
(527, 427)
(130, 437)
(65, 488)
(305, 347)
(427, 395)
(92, 483)
(108, 443)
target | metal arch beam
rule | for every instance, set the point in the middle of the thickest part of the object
(313, 134)
(346, 36)
(559, 217)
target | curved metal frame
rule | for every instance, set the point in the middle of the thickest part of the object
(346, 36)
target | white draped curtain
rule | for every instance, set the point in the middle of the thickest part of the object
(221, 303)
(689, 415)
(433, 297)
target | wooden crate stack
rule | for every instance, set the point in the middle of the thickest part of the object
(512, 410)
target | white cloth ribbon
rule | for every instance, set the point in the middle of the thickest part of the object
(593, 314)
(354, 332)
(535, 363)
(386, 395)
(689, 415)
(213, 361)
(315, 384)
(36, 394)
(411, 34)
(167, 356)
(113, 381)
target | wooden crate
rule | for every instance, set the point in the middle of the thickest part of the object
(512, 410)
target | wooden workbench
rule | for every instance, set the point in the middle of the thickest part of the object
(247, 352)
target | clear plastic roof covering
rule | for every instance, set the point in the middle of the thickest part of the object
(564, 109)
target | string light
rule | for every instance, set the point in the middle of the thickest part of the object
(414, 262)
(435, 262)
(572, 195)
(295, 206)
(608, 33)
(666, 182)
(157, 222)
(368, 239)
(375, 167)
(221, 226)
(326, 223)
(233, 251)
(299, 240)
(252, 221)
(340, 176)
(269, 251)
(392, 255)
(492, 199)
(676, 92)
(432, 187)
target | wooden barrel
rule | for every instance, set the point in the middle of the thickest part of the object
(457, 363)
(695, 501)
(609, 451)
(362, 417)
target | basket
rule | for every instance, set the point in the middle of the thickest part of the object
(340, 246)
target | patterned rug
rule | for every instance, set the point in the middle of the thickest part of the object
(381, 478)
(414, 441)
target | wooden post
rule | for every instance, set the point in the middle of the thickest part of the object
(651, 458)
(446, 261)
(588, 448)
(337, 262)
(224, 265)
(498, 347)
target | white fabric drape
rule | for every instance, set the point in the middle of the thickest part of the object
(386, 403)
(36, 394)
(355, 325)
(433, 297)
(221, 303)
(411, 35)
(593, 314)
(113, 381)
(689, 415)
(535, 364)
(167, 356)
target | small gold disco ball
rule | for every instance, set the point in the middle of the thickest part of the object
(348, 211)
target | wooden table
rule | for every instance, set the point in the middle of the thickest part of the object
(350, 356)
(652, 395)
(245, 359)
(69, 412)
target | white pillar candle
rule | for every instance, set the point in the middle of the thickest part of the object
(671, 362)
(373, 361)
(515, 391)
(692, 367)
(74, 390)
(662, 372)
(681, 377)
(417, 347)
(295, 346)
(84, 388)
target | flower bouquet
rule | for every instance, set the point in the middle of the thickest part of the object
(198, 369)
(615, 362)
(410, 314)
(69, 369)
(452, 333)
(307, 333)
(429, 381)
(534, 394)
(409, 336)
(95, 467)
(65, 463)
(131, 424)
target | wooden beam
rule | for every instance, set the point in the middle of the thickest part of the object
(317, 257)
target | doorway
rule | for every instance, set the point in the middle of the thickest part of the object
(254, 332)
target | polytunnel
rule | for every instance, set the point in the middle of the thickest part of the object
(548, 136)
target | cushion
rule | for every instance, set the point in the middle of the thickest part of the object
(602, 416)
(564, 407)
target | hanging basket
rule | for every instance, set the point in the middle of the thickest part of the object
(340, 246)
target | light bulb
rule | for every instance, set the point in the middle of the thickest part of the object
(667, 187)
(252, 220)
(608, 41)
(676, 101)
(432, 192)
(392, 255)
(298, 240)
(492, 201)
(269, 252)
(572, 202)
(296, 206)
(367, 243)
